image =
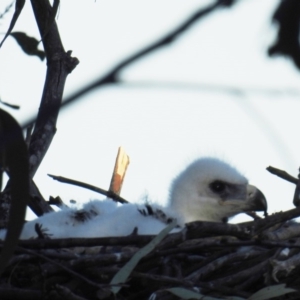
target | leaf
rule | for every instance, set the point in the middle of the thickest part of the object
(183, 293)
(18, 8)
(28, 44)
(125, 272)
(271, 292)
(287, 18)
(15, 158)
(6, 10)
(14, 106)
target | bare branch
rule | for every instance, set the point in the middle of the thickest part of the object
(7, 9)
(59, 65)
(260, 225)
(65, 268)
(109, 194)
(112, 76)
(282, 174)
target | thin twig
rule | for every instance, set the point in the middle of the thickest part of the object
(109, 194)
(68, 270)
(7, 9)
(85, 242)
(144, 239)
(235, 279)
(211, 88)
(67, 293)
(282, 174)
(253, 215)
(259, 225)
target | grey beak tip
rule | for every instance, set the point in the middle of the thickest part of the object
(260, 201)
(296, 199)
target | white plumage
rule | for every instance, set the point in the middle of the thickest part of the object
(97, 218)
(208, 190)
(212, 190)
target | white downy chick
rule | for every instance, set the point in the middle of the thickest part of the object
(207, 190)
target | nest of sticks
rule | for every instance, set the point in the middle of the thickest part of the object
(213, 259)
(252, 260)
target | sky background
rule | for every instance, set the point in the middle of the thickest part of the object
(213, 92)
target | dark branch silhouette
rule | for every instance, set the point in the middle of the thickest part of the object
(282, 174)
(109, 194)
(112, 76)
(59, 65)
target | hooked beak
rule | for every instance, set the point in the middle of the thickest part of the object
(256, 199)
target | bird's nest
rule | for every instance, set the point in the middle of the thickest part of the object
(254, 260)
(213, 259)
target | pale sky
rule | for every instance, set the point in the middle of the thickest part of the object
(213, 92)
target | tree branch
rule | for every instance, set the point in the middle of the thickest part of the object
(282, 174)
(59, 65)
(112, 76)
(109, 194)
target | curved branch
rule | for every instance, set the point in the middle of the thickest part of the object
(112, 75)
(59, 65)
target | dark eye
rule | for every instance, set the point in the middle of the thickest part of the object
(218, 186)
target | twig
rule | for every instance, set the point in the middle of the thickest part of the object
(8, 7)
(211, 88)
(59, 65)
(109, 194)
(82, 263)
(144, 239)
(296, 198)
(217, 264)
(285, 232)
(162, 279)
(13, 106)
(37, 202)
(253, 215)
(235, 279)
(258, 226)
(282, 174)
(65, 268)
(67, 294)
(221, 244)
(85, 242)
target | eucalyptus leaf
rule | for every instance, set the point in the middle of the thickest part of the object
(18, 9)
(184, 293)
(28, 44)
(125, 272)
(271, 292)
